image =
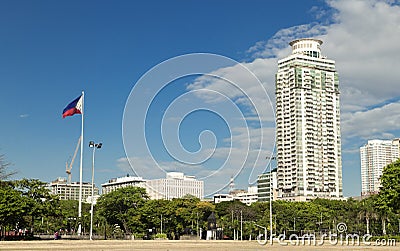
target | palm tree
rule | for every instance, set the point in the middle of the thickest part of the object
(383, 210)
(367, 211)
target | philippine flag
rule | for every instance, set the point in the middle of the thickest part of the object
(75, 107)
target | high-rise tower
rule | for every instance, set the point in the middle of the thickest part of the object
(375, 155)
(308, 124)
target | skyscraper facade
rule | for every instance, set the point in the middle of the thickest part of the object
(308, 124)
(375, 155)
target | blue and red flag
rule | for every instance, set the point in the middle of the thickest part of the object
(75, 107)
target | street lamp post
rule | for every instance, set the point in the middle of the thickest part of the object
(270, 197)
(294, 224)
(94, 146)
(197, 221)
(241, 225)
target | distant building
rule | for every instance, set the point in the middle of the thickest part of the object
(126, 181)
(67, 191)
(247, 197)
(175, 185)
(264, 186)
(375, 155)
(221, 197)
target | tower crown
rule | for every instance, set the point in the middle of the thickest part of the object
(307, 46)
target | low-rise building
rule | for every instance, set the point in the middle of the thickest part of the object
(67, 191)
(116, 183)
(264, 182)
(247, 197)
(175, 185)
(221, 197)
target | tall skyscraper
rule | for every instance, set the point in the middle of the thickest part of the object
(308, 124)
(375, 155)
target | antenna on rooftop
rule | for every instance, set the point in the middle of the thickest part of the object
(231, 185)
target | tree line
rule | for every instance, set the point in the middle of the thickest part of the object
(27, 205)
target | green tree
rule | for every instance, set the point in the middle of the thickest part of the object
(367, 211)
(233, 215)
(333, 212)
(124, 207)
(179, 215)
(13, 207)
(381, 205)
(201, 213)
(390, 185)
(39, 199)
(388, 200)
(156, 210)
(68, 218)
(184, 216)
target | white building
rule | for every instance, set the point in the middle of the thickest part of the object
(175, 185)
(67, 191)
(308, 124)
(263, 186)
(116, 183)
(221, 197)
(247, 197)
(375, 155)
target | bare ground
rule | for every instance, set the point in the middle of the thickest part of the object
(87, 245)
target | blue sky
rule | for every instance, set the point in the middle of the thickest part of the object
(52, 50)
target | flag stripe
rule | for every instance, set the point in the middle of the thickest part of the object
(71, 112)
(75, 107)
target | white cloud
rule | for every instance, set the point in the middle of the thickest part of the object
(353, 99)
(374, 123)
(138, 165)
(363, 37)
(277, 46)
(365, 42)
(22, 116)
(242, 87)
(154, 170)
(246, 156)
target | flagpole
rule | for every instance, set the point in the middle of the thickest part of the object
(80, 169)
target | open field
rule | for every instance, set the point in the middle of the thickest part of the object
(171, 245)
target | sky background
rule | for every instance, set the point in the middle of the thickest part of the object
(52, 50)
